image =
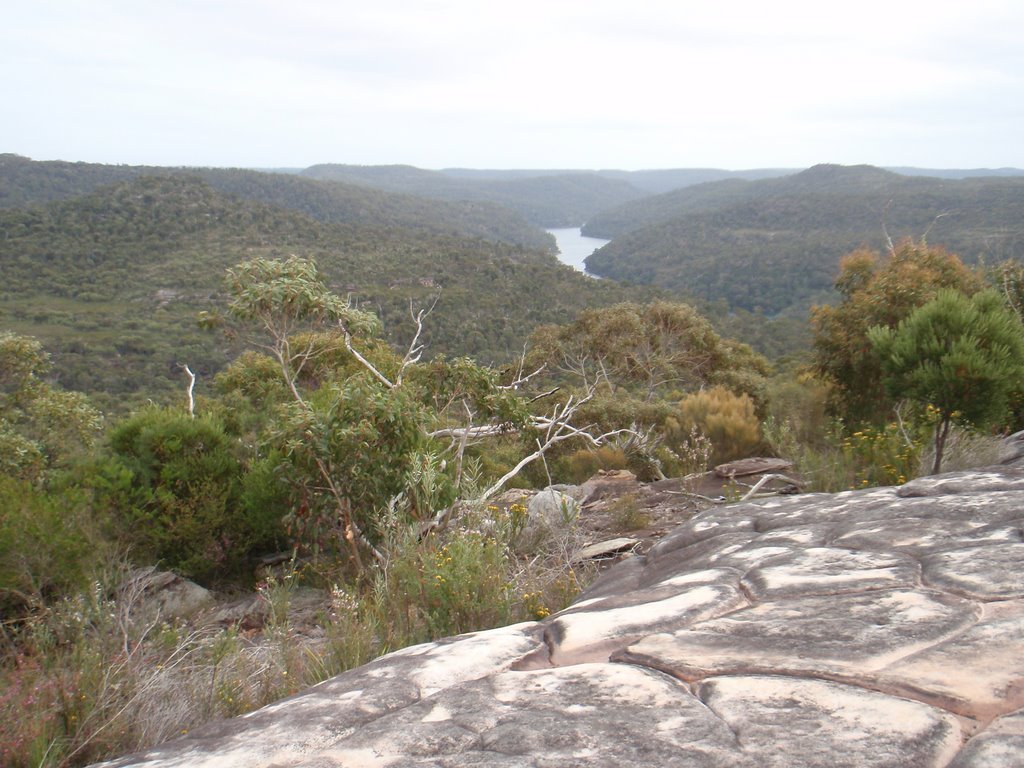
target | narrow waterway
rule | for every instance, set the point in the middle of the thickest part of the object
(573, 247)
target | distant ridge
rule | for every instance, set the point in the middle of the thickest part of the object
(547, 199)
(957, 173)
(25, 182)
(773, 245)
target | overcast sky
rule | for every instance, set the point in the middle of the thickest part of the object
(525, 84)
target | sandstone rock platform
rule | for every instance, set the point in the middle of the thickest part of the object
(870, 628)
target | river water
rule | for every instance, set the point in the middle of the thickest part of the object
(573, 247)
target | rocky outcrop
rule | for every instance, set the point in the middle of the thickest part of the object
(162, 596)
(870, 628)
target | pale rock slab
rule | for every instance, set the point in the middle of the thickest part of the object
(825, 570)
(838, 636)
(1000, 746)
(991, 573)
(783, 722)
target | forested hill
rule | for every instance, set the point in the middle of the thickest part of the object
(774, 245)
(547, 200)
(111, 282)
(26, 182)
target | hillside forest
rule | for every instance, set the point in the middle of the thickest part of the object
(333, 380)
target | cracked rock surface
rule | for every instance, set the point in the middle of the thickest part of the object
(868, 628)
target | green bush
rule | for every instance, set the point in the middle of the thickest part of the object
(581, 465)
(800, 401)
(840, 460)
(727, 419)
(175, 489)
(48, 544)
(361, 439)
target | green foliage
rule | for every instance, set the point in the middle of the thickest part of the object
(49, 544)
(24, 182)
(887, 455)
(838, 460)
(253, 375)
(876, 293)
(962, 356)
(112, 282)
(283, 297)
(41, 427)
(447, 587)
(771, 246)
(726, 419)
(359, 437)
(174, 488)
(453, 388)
(627, 514)
(799, 400)
(87, 681)
(646, 350)
(579, 466)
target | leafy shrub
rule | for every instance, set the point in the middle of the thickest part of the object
(447, 586)
(48, 543)
(361, 438)
(881, 456)
(727, 419)
(628, 515)
(800, 401)
(174, 487)
(583, 464)
(85, 683)
(841, 461)
(690, 453)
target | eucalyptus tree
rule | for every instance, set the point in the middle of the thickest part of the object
(359, 422)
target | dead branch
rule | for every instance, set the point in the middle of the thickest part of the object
(520, 379)
(708, 499)
(415, 351)
(766, 479)
(542, 395)
(557, 428)
(898, 410)
(463, 442)
(366, 363)
(924, 237)
(191, 390)
(1008, 295)
(885, 228)
(473, 432)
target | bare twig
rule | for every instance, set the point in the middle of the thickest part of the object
(898, 410)
(557, 428)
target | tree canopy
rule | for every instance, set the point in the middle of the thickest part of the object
(645, 350)
(876, 291)
(41, 426)
(961, 356)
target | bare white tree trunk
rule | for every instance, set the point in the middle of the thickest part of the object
(191, 390)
